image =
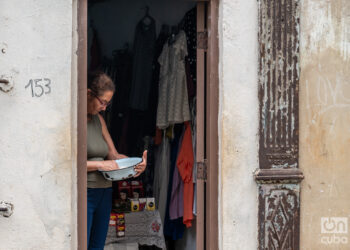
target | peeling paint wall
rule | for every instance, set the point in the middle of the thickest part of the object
(37, 143)
(324, 121)
(238, 124)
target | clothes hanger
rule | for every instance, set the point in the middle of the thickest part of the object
(174, 31)
(147, 19)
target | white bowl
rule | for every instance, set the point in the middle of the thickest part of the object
(125, 171)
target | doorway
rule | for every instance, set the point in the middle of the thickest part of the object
(205, 224)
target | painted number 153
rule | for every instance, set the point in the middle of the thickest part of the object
(39, 87)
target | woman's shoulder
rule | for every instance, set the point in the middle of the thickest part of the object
(100, 118)
(102, 121)
(95, 119)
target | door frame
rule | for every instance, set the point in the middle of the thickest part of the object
(212, 135)
(211, 241)
(82, 125)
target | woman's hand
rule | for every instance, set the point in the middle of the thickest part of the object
(141, 167)
(108, 165)
(121, 156)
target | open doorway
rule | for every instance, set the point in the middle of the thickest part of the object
(112, 27)
(149, 49)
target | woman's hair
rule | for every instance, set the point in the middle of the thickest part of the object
(99, 82)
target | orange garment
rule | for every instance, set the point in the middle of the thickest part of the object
(184, 164)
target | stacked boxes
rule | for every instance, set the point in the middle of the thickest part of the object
(131, 198)
(120, 223)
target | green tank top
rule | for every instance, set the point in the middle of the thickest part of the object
(97, 150)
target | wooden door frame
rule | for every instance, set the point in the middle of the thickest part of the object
(82, 125)
(212, 189)
(200, 124)
(208, 192)
(212, 106)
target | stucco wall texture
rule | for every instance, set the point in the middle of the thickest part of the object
(238, 124)
(324, 121)
(36, 154)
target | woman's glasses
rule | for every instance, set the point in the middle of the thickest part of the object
(103, 103)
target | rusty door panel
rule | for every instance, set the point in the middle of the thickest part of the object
(278, 177)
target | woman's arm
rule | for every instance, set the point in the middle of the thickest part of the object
(102, 165)
(94, 165)
(112, 151)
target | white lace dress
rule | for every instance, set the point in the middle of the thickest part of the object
(173, 98)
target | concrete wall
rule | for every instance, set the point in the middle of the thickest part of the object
(324, 120)
(238, 124)
(37, 143)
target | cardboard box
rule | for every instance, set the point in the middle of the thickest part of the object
(150, 204)
(137, 189)
(120, 219)
(121, 206)
(113, 219)
(142, 202)
(120, 224)
(135, 205)
(121, 231)
(124, 190)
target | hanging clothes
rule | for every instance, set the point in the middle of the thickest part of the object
(189, 25)
(161, 176)
(176, 207)
(144, 45)
(150, 123)
(173, 98)
(191, 88)
(184, 163)
(173, 228)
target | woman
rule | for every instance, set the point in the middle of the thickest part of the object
(101, 155)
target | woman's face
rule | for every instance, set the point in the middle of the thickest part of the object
(96, 104)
